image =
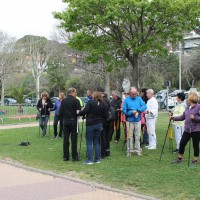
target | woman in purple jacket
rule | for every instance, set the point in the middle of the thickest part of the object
(57, 116)
(192, 128)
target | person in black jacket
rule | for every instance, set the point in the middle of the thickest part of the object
(69, 109)
(95, 115)
(44, 105)
(115, 125)
(105, 137)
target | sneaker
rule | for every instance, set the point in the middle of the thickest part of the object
(176, 151)
(177, 161)
(116, 141)
(147, 146)
(87, 162)
(96, 161)
(152, 147)
(194, 162)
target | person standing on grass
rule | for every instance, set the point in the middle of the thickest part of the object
(57, 117)
(69, 109)
(151, 115)
(95, 115)
(44, 106)
(105, 138)
(179, 125)
(123, 116)
(191, 116)
(133, 107)
(143, 120)
(115, 124)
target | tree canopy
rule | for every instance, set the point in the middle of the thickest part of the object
(127, 29)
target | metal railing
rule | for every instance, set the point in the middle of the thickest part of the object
(17, 113)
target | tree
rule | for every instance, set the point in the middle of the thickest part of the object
(190, 64)
(60, 66)
(18, 94)
(7, 60)
(36, 51)
(127, 28)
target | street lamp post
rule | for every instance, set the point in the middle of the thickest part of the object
(180, 58)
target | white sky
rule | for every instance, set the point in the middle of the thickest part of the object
(23, 17)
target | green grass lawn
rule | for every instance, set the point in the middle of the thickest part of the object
(145, 174)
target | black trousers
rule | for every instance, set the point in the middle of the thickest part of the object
(57, 118)
(105, 140)
(195, 140)
(70, 129)
(115, 127)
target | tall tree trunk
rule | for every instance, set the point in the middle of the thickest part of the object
(107, 83)
(37, 88)
(134, 64)
(2, 91)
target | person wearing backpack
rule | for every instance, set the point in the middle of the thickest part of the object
(116, 121)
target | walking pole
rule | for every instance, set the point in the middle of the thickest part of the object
(165, 139)
(129, 139)
(39, 127)
(125, 135)
(49, 124)
(81, 135)
(190, 144)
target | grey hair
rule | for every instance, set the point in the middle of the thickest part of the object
(116, 93)
(70, 90)
(150, 91)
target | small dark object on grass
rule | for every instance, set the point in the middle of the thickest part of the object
(24, 144)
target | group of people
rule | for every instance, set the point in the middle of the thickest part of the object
(137, 114)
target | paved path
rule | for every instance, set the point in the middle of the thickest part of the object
(18, 183)
(21, 184)
(13, 126)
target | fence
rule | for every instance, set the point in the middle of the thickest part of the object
(12, 114)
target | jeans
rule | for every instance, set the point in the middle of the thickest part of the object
(93, 134)
(57, 118)
(43, 124)
(70, 128)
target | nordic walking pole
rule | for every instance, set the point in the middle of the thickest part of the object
(49, 124)
(81, 135)
(129, 140)
(190, 144)
(39, 127)
(165, 139)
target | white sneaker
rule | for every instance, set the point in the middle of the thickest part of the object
(147, 146)
(152, 147)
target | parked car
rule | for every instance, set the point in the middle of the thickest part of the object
(9, 101)
(175, 92)
(30, 101)
(54, 99)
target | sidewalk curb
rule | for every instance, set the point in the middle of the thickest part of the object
(95, 185)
